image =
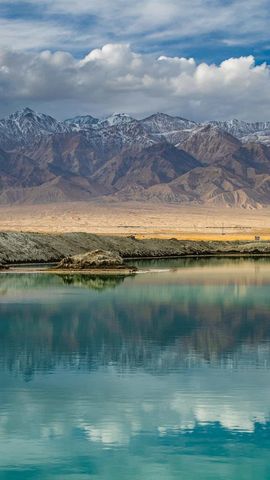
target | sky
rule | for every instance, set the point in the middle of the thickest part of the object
(200, 59)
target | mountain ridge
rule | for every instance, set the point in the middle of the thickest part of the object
(159, 158)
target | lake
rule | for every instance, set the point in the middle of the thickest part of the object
(160, 375)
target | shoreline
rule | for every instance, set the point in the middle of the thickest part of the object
(28, 268)
(18, 249)
(92, 272)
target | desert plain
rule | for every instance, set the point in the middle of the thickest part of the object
(144, 220)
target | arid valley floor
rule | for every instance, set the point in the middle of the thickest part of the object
(143, 220)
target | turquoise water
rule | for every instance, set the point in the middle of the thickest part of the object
(162, 375)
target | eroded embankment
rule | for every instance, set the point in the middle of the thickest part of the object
(37, 247)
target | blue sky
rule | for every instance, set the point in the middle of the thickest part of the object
(210, 31)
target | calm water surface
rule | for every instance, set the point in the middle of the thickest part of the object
(162, 375)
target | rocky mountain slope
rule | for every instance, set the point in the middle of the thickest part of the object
(239, 128)
(160, 158)
(26, 126)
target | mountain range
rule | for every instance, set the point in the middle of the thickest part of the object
(160, 158)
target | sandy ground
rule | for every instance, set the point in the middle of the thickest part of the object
(141, 220)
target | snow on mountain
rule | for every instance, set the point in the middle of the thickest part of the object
(171, 129)
(116, 119)
(258, 137)
(81, 121)
(160, 123)
(239, 128)
(84, 157)
(119, 130)
(110, 136)
(25, 126)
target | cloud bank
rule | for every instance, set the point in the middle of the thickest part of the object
(114, 78)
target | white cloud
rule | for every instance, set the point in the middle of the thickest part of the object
(27, 34)
(145, 23)
(114, 78)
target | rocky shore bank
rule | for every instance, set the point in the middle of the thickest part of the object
(44, 248)
(96, 260)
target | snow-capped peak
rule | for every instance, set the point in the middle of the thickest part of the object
(240, 128)
(22, 112)
(84, 121)
(160, 123)
(117, 119)
(26, 126)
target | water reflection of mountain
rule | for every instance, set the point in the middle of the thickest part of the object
(32, 280)
(133, 326)
(98, 282)
(148, 371)
(191, 262)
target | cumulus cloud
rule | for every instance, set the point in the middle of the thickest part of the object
(114, 78)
